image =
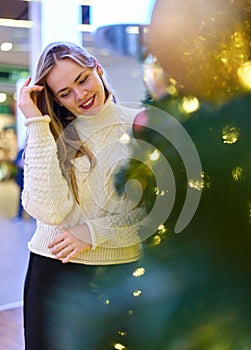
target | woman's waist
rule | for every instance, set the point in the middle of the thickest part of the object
(103, 254)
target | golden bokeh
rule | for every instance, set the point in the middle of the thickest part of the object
(205, 46)
(230, 134)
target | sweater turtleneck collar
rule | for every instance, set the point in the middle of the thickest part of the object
(103, 117)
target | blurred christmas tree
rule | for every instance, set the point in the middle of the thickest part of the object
(192, 288)
(203, 285)
(197, 283)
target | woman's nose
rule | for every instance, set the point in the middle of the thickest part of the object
(80, 93)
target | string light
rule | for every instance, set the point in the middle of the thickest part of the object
(139, 272)
(230, 134)
(119, 346)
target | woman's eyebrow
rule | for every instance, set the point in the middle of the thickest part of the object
(75, 80)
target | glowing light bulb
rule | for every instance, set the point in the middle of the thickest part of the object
(119, 346)
(162, 228)
(139, 272)
(237, 173)
(137, 293)
(190, 104)
(244, 74)
(154, 155)
(230, 134)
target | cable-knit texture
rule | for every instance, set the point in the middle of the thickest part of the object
(113, 220)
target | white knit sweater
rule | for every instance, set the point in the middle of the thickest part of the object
(113, 220)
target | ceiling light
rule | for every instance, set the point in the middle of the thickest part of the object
(7, 22)
(132, 30)
(6, 46)
(3, 97)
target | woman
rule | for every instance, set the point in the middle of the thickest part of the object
(84, 229)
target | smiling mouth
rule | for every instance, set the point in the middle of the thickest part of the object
(88, 104)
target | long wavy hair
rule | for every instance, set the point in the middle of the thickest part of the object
(69, 145)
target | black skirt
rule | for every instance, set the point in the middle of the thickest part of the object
(77, 307)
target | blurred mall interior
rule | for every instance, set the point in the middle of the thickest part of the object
(115, 38)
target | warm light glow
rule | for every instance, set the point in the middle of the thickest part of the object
(156, 240)
(172, 90)
(122, 333)
(137, 293)
(162, 228)
(202, 44)
(119, 346)
(244, 74)
(190, 104)
(237, 173)
(230, 134)
(196, 184)
(155, 155)
(139, 272)
(158, 192)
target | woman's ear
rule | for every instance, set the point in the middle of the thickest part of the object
(99, 69)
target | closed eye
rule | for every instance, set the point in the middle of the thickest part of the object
(81, 81)
(64, 94)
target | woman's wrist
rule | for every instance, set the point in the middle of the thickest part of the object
(38, 118)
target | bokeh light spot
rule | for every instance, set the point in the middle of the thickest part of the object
(230, 134)
(237, 174)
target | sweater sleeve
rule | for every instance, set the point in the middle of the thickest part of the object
(121, 229)
(116, 230)
(46, 195)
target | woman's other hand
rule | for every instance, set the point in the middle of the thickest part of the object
(67, 245)
(27, 100)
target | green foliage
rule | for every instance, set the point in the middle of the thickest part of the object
(200, 277)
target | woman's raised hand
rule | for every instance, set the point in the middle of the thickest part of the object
(27, 100)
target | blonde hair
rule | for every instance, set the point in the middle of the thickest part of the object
(69, 145)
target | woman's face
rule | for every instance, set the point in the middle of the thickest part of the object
(79, 89)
